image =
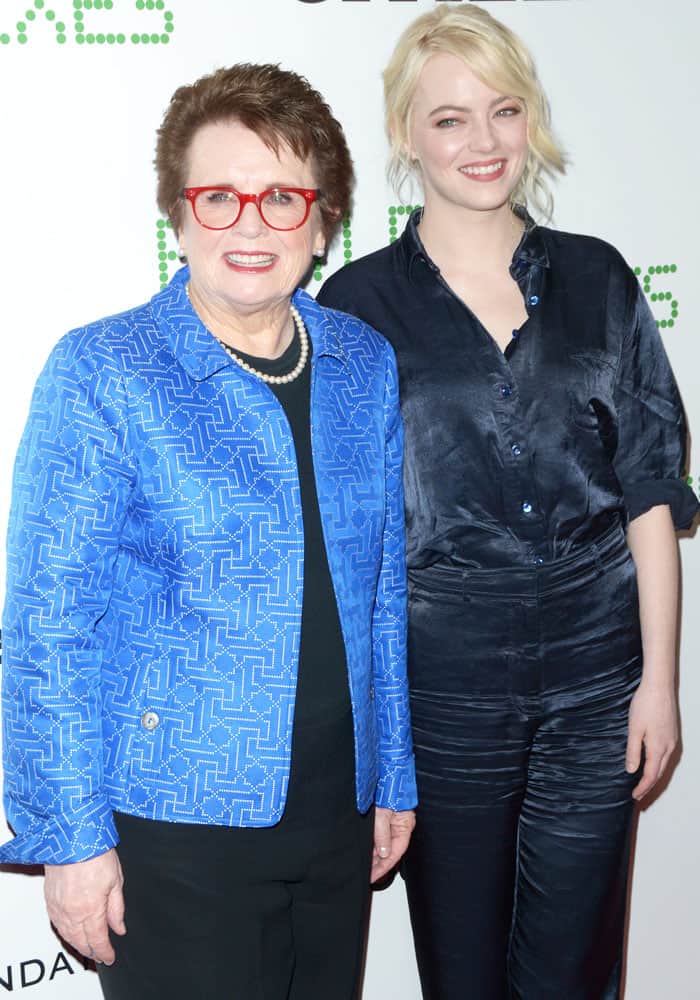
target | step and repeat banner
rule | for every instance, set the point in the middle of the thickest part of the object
(83, 86)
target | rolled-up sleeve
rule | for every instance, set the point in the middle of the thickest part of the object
(397, 782)
(652, 432)
(71, 485)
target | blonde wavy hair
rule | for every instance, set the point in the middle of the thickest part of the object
(501, 61)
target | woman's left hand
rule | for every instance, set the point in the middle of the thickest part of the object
(653, 725)
(392, 832)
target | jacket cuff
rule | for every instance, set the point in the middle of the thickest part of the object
(59, 840)
(683, 502)
(397, 787)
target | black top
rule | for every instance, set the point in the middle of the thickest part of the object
(514, 458)
(323, 693)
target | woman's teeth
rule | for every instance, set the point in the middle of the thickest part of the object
(249, 259)
(492, 168)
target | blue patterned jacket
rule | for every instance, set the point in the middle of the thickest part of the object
(155, 556)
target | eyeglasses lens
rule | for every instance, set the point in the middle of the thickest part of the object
(280, 208)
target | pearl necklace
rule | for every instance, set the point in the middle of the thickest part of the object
(264, 376)
(298, 367)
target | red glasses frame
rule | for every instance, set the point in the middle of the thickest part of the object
(309, 194)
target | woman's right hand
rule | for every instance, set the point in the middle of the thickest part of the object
(84, 900)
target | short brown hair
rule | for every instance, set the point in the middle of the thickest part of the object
(276, 104)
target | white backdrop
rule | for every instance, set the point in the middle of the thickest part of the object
(84, 84)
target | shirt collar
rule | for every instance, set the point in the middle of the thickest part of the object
(530, 251)
(532, 248)
(201, 354)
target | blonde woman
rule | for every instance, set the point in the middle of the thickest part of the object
(545, 441)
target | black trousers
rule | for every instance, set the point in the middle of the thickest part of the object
(219, 913)
(521, 683)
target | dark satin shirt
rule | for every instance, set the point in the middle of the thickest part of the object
(515, 458)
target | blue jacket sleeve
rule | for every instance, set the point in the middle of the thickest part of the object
(71, 485)
(397, 782)
(652, 431)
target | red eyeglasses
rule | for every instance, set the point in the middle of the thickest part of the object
(281, 208)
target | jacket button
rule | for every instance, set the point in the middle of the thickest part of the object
(149, 720)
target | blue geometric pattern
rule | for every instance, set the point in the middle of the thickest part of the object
(155, 577)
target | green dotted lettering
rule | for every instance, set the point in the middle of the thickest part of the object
(347, 241)
(394, 212)
(162, 228)
(669, 320)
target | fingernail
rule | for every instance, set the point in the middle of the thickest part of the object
(383, 852)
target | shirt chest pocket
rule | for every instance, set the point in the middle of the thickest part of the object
(590, 391)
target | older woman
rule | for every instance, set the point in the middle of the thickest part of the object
(206, 723)
(545, 445)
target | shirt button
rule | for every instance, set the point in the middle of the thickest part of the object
(506, 391)
(526, 507)
(534, 299)
(149, 720)
(516, 449)
(538, 560)
(516, 334)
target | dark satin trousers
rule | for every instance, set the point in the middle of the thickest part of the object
(521, 683)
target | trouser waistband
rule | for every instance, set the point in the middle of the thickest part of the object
(585, 562)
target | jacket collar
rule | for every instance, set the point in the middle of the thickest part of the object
(324, 326)
(530, 251)
(200, 353)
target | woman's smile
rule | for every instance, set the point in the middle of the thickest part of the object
(488, 170)
(250, 261)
